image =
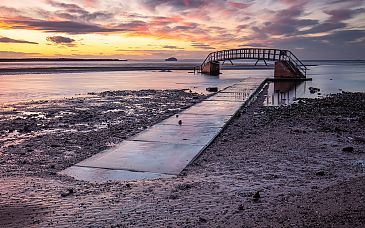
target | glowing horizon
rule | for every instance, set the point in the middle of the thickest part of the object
(156, 29)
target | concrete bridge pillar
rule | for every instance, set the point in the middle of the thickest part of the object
(211, 68)
(285, 69)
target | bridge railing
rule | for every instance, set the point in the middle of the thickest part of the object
(246, 53)
(298, 64)
(254, 53)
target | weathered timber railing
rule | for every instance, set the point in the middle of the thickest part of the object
(258, 54)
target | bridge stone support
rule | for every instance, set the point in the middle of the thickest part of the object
(284, 69)
(211, 68)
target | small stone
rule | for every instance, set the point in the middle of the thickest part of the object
(55, 145)
(177, 116)
(349, 149)
(26, 129)
(202, 219)
(183, 187)
(359, 139)
(128, 185)
(240, 207)
(173, 196)
(180, 122)
(68, 192)
(212, 89)
(320, 173)
(257, 196)
(64, 194)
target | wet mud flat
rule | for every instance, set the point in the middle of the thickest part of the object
(46, 136)
(301, 165)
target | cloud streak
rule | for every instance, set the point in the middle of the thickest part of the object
(9, 40)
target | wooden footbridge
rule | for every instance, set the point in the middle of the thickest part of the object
(287, 65)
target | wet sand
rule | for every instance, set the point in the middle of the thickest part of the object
(47, 136)
(296, 166)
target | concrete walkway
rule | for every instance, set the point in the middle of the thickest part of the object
(166, 148)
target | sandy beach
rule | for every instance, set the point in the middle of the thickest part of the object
(293, 166)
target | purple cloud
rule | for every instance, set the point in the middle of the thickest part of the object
(201, 45)
(171, 47)
(60, 26)
(61, 40)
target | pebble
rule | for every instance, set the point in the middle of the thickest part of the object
(349, 149)
(68, 192)
(320, 173)
(257, 196)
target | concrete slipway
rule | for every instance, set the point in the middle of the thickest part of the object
(166, 148)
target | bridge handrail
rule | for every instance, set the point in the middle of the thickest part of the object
(299, 64)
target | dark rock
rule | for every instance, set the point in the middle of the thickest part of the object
(359, 139)
(202, 219)
(128, 185)
(212, 89)
(313, 90)
(349, 149)
(240, 207)
(55, 145)
(171, 59)
(26, 129)
(68, 192)
(320, 173)
(183, 186)
(173, 196)
(180, 122)
(257, 196)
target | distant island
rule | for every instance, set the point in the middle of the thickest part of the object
(56, 59)
(171, 59)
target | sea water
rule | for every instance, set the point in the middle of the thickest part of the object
(328, 76)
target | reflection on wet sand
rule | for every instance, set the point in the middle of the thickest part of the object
(284, 93)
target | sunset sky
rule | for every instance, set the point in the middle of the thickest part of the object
(154, 29)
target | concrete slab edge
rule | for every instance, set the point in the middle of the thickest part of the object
(249, 100)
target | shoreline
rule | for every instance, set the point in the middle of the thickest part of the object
(293, 156)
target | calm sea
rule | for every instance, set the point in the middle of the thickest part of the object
(328, 76)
